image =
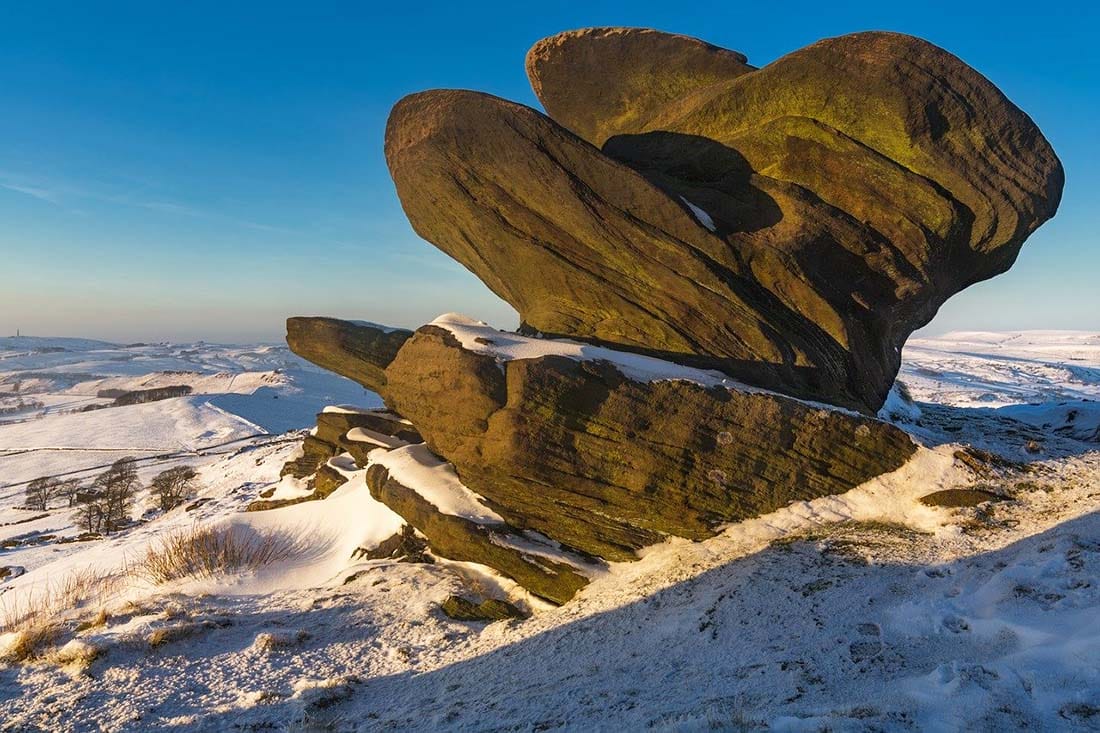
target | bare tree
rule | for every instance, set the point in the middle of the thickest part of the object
(174, 486)
(90, 516)
(68, 489)
(116, 486)
(41, 492)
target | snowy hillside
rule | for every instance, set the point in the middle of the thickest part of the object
(866, 611)
(55, 420)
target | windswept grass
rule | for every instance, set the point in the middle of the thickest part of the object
(210, 552)
(37, 618)
(33, 623)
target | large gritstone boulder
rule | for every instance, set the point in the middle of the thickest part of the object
(607, 452)
(715, 266)
(789, 225)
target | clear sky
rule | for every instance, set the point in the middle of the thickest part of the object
(203, 170)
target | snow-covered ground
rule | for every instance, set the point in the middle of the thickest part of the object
(982, 369)
(866, 611)
(236, 393)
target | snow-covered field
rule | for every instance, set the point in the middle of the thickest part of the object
(866, 611)
(237, 393)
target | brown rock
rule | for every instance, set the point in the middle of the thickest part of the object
(327, 480)
(315, 452)
(361, 352)
(405, 546)
(458, 538)
(853, 186)
(263, 505)
(600, 82)
(955, 498)
(489, 609)
(604, 464)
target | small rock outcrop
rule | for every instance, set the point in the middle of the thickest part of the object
(496, 545)
(330, 437)
(341, 441)
(715, 266)
(353, 349)
(489, 609)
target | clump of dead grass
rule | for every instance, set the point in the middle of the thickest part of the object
(94, 622)
(33, 621)
(210, 552)
(171, 633)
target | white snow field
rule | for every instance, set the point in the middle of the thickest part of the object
(867, 611)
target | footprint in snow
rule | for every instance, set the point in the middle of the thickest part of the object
(955, 624)
(869, 646)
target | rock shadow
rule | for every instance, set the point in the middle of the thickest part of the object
(807, 630)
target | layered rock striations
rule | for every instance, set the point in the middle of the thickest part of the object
(716, 267)
(601, 459)
(789, 225)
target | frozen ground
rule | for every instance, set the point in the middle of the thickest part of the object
(866, 611)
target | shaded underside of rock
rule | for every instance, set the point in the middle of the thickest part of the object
(354, 350)
(790, 225)
(458, 538)
(606, 465)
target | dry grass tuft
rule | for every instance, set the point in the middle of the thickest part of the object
(174, 611)
(31, 641)
(73, 591)
(77, 655)
(100, 619)
(36, 618)
(268, 642)
(209, 552)
(169, 634)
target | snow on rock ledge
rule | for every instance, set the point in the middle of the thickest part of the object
(608, 452)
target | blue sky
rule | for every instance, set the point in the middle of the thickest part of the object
(203, 170)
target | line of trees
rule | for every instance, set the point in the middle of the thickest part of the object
(108, 504)
(44, 490)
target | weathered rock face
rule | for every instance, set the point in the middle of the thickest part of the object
(600, 82)
(339, 431)
(314, 454)
(358, 351)
(459, 538)
(490, 609)
(790, 225)
(330, 437)
(607, 464)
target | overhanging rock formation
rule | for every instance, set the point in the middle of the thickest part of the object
(353, 349)
(789, 225)
(716, 267)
